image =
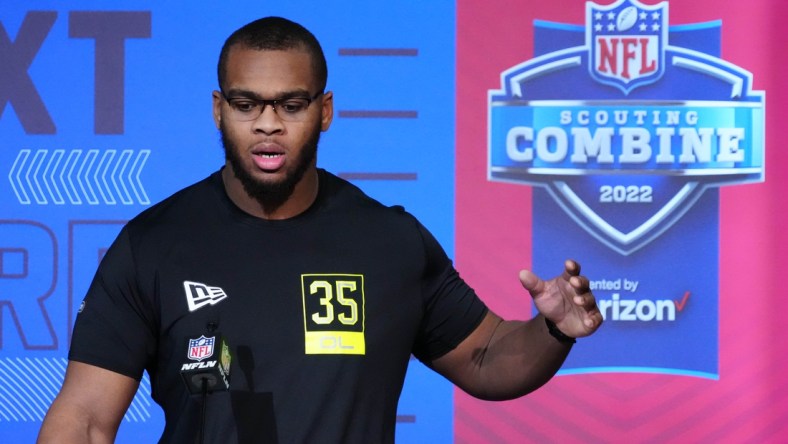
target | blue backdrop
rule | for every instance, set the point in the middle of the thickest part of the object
(105, 109)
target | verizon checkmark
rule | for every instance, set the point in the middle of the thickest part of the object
(680, 304)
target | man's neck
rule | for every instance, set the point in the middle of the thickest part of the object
(303, 196)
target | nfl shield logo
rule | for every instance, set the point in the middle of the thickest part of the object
(627, 43)
(201, 348)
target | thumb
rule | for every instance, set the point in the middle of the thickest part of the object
(531, 282)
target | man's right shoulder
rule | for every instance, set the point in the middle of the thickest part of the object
(183, 208)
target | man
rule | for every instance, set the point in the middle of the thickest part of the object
(322, 293)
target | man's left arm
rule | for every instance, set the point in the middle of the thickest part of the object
(507, 359)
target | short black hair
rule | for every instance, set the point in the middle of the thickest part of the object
(275, 34)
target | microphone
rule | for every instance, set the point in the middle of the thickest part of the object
(208, 366)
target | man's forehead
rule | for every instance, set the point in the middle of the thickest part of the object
(285, 70)
(241, 52)
(269, 95)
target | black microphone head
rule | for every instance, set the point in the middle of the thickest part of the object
(208, 365)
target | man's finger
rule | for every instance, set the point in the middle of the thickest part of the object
(580, 284)
(531, 282)
(571, 267)
(586, 301)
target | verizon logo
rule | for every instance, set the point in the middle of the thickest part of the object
(199, 295)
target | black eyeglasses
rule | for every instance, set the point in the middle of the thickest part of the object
(289, 109)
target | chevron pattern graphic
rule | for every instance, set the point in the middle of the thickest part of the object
(30, 385)
(79, 177)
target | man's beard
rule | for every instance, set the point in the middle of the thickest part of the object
(271, 195)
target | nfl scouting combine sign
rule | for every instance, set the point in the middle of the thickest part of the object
(627, 127)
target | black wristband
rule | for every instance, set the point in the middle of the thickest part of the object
(558, 334)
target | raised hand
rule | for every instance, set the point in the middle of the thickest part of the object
(566, 300)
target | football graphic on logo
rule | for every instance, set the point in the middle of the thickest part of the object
(627, 18)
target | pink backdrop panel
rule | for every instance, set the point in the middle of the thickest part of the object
(749, 402)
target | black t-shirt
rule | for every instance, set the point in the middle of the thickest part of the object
(321, 311)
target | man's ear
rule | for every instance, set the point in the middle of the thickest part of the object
(217, 109)
(327, 110)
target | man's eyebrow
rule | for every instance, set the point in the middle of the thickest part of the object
(233, 93)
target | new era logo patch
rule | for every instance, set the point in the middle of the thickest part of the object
(199, 295)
